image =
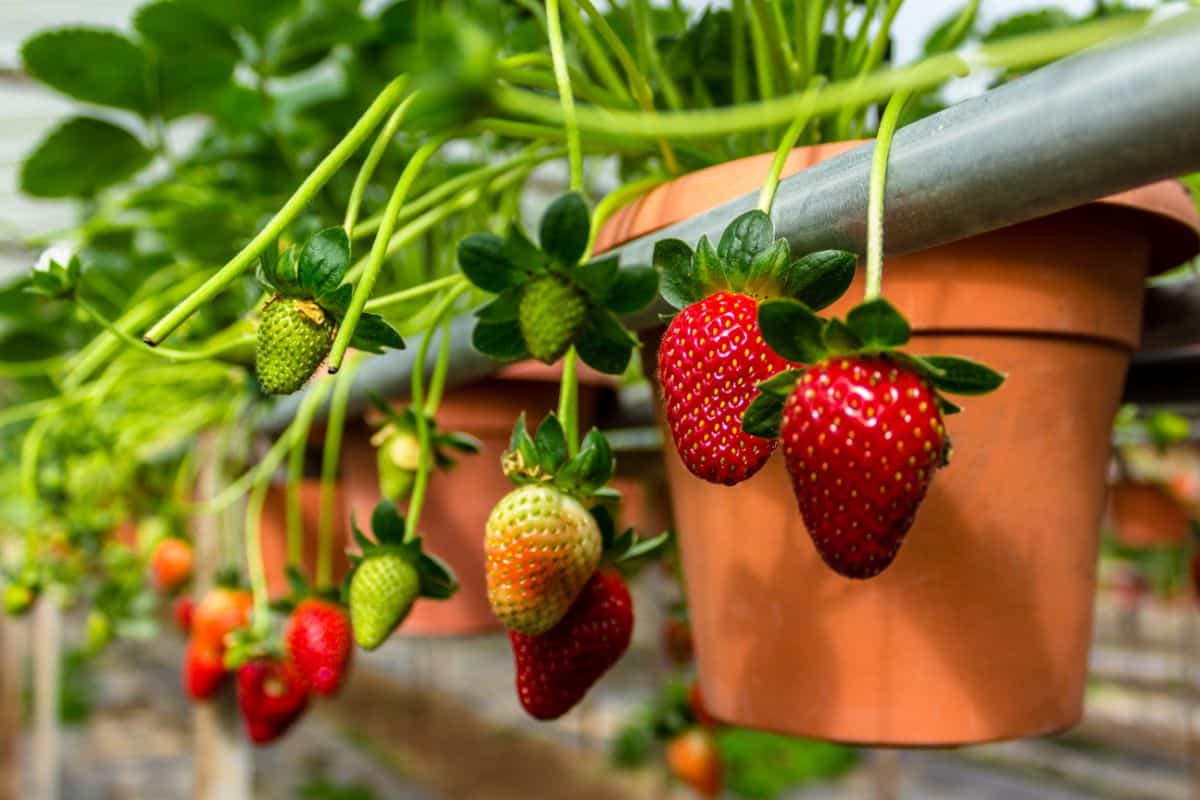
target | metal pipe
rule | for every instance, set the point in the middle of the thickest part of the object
(1102, 121)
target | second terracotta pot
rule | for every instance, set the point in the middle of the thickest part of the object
(980, 629)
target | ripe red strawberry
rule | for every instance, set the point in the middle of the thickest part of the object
(541, 546)
(271, 695)
(863, 437)
(170, 564)
(203, 670)
(677, 641)
(710, 363)
(184, 608)
(318, 643)
(556, 669)
(693, 759)
(220, 612)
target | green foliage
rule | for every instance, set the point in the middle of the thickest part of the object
(80, 157)
(765, 766)
(95, 66)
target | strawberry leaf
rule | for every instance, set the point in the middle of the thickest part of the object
(640, 548)
(792, 330)
(781, 385)
(438, 580)
(633, 290)
(360, 538)
(708, 267)
(818, 279)
(767, 268)
(500, 340)
(839, 338)
(505, 308)
(373, 334)
(462, 442)
(522, 254)
(963, 376)
(742, 240)
(591, 467)
(551, 444)
(324, 261)
(387, 524)
(604, 521)
(482, 259)
(564, 229)
(681, 285)
(764, 416)
(287, 278)
(947, 408)
(597, 277)
(604, 344)
(878, 324)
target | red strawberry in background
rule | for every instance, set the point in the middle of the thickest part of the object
(182, 610)
(862, 429)
(170, 564)
(203, 670)
(713, 356)
(272, 696)
(222, 610)
(556, 669)
(693, 759)
(677, 640)
(319, 644)
(699, 710)
(863, 437)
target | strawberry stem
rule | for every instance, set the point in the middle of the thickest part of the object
(883, 146)
(377, 304)
(334, 427)
(317, 179)
(374, 156)
(254, 557)
(362, 289)
(568, 403)
(562, 77)
(767, 196)
(437, 383)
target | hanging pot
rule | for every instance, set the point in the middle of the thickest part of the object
(980, 629)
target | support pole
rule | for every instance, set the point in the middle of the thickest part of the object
(12, 674)
(45, 749)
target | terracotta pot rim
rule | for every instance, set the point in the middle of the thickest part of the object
(1166, 205)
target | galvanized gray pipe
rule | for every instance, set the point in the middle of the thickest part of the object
(1100, 122)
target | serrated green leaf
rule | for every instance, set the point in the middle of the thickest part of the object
(681, 286)
(963, 376)
(523, 445)
(175, 27)
(564, 229)
(838, 338)
(767, 267)
(878, 324)
(89, 64)
(633, 290)
(597, 276)
(192, 57)
(742, 240)
(518, 431)
(66, 163)
(551, 444)
(521, 253)
(781, 385)
(764, 416)
(387, 524)
(604, 344)
(708, 267)
(482, 259)
(505, 308)
(500, 340)
(324, 261)
(373, 334)
(792, 330)
(818, 279)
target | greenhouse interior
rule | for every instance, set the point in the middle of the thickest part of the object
(599, 399)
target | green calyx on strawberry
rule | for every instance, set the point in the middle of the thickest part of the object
(398, 448)
(542, 459)
(388, 576)
(712, 356)
(862, 427)
(308, 301)
(547, 301)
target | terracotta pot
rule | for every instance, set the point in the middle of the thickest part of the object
(273, 529)
(980, 629)
(1146, 514)
(458, 502)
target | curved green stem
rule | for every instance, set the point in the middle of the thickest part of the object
(385, 301)
(437, 384)
(374, 156)
(568, 403)
(382, 105)
(767, 196)
(594, 52)
(334, 426)
(700, 124)
(254, 558)
(167, 354)
(295, 518)
(562, 77)
(416, 500)
(27, 369)
(777, 41)
(362, 289)
(883, 146)
(584, 88)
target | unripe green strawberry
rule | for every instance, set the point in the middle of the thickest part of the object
(294, 337)
(382, 590)
(541, 547)
(551, 313)
(17, 599)
(398, 457)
